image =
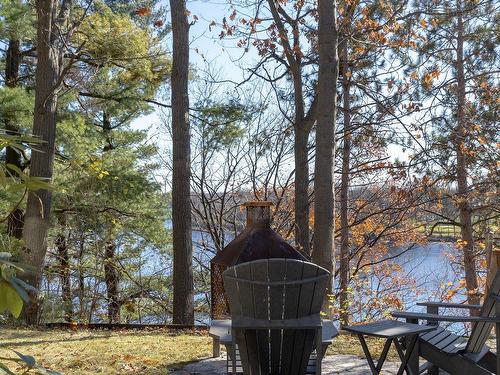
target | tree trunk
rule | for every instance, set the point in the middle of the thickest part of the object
(112, 278)
(344, 190)
(111, 274)
(64, 271)
(302, 127)
(462, 185)
(36, 221)
(301, 189)
(183, 304)
(301, 155)
(324, 198)
(12, 62)
(81, 279)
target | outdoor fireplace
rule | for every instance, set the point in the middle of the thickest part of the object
(256, 241)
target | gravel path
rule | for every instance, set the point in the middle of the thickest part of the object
(335, 364)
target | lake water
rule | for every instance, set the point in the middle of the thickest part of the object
(431, 268)
(428, 265)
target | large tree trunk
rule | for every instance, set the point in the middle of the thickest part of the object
(302, 127)
(462, 186)
(12, 156)
(36, 221)
(112, 278)
(301, 189)
(301, 155)
(111, 274)
(64, 270)
(12, 62)
(183, 304)
(81, 279)
(324, 205)
(344, 190)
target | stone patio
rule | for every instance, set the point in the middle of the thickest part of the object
(335, 364)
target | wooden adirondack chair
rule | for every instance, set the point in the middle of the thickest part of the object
(458, 355)
(275, 308)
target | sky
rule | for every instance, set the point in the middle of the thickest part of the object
(222, 55)
(205, 46)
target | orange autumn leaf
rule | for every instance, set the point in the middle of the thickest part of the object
(143, 12)
(429, 77)
(450, 294)
(484, 85)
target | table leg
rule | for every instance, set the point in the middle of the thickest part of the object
(383, 356)
(374, 368)
(215, 346)
(368, 355)
(405, 356)
(413, 366)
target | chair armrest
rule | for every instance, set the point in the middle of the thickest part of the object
(443, 318)
(449, 305)
(221, 329)
(328, 330)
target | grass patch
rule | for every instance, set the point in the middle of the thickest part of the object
(152, 352)
(106, 352)
(440, 230)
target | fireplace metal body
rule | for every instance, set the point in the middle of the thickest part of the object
(256, 241)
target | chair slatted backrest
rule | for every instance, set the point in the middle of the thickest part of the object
(275, 289)
(482, 330)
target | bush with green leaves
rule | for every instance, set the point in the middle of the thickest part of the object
(13, 295)
(13, 290)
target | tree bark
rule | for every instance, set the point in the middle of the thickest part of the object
(111, 274)
(12, 62)
(324, 198)
(302, 127)
(344, 188)
(112, 278)
(12, 156)
(81, 279)
(183, 304)
(462, 185)
(302, 238)
(36, 221)
(301, 154)
(64, 271)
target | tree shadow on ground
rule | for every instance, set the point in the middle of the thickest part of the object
(214, 367)
(68, 336)
(9, 345)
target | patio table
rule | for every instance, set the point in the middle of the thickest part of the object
(392, 331)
